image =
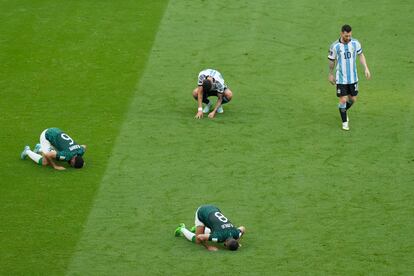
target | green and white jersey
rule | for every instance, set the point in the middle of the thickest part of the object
(221, 227)
(65, 147)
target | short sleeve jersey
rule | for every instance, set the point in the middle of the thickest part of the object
(218, 82)
(346, 55)
(65, 146)
(221, 227)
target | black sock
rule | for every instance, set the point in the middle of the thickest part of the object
(349, 104)
(342, 111)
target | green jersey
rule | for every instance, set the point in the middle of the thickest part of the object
(65, 147)
(220, 226)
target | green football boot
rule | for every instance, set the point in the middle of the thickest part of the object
(177, 232)
(193, 229)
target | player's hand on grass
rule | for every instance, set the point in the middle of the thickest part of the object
(367, 74)
(212, 114)
(331, 79)
(60, 168)
(211, 248)
(199, 115)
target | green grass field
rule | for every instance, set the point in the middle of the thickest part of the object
(118, 76)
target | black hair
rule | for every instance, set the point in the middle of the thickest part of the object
(232, 244)
(78, 162)
(346, 28)
(206, 85)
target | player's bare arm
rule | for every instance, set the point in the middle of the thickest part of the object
(48, 160)
(218, 104)
(363, 61)
(199, 113)
(331, 76)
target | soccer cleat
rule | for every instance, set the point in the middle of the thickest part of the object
(345, 126)
(177, 232)
(24, 152)
(193, 229)
(207, 108)
(37, 148)
(220, 109)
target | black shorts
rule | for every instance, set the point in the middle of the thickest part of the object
(347, 89)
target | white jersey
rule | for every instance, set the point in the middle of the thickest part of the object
(346, 55)
(218, 81)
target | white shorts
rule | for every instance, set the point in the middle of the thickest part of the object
(197, 222)
(44, 143)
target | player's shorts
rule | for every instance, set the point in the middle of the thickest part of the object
(44, 143)
(197, 221)
(343, 90)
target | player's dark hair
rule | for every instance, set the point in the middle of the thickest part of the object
(206, 85)
(232, 244)
(78, 162)
(346, 28)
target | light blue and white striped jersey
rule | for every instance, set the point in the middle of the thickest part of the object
(218, 84)
(346, 55)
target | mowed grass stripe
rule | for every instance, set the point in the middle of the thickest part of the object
(72, 65)
(276, 161)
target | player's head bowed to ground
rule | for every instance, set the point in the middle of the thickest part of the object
(211, 83)
(56, 145)
(212, 225)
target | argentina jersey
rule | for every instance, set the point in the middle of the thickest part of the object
(346, 55)
(218, 84)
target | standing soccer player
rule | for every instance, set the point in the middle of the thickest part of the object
(344, 52)
(211, 83)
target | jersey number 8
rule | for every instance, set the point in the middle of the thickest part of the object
(221, 217)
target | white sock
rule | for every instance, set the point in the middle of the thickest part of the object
(188, 234)
(35, 157)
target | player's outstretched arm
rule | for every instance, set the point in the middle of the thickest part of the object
(84, 147)
(363, 61)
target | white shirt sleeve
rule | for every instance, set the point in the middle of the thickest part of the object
(201, 77)
(358, 48)
(332, 52)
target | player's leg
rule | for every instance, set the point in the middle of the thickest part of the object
(352, 97)
(187, 233)
(227, 96)
(205, 100)
(342, 93)
(37, 158)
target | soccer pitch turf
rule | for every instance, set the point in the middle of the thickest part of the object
(118, 77)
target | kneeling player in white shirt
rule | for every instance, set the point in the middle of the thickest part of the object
(211, 83)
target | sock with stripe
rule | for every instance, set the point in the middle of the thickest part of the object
(37, 158)
(342, 111)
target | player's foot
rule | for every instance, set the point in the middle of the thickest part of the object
(345, 126)
(207, 108)
(193, 229)
(24, 152)
(177, 232)
(37, 148)
(220, 109)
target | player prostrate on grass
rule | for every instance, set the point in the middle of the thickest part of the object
(56, 145)
(344, 51)
(211, 83)
(212, 225)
